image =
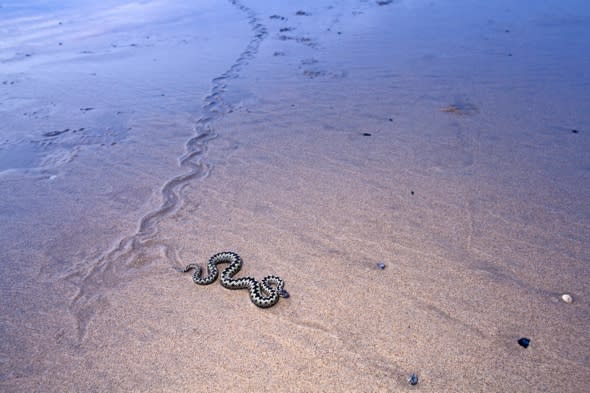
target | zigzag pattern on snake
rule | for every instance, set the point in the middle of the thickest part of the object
(262, 293)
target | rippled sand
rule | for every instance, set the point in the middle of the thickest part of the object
(443, 141)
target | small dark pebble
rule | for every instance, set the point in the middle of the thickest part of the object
(524, 342)
(283, 293)
(412, 192)
(381, 265)
(390, 119)
(367, 134)
(575, 131)
(86, 109)
(302, 13)
(510, 54)
(507, 31)
(413, 379)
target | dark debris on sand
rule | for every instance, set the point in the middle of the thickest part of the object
(460, 109)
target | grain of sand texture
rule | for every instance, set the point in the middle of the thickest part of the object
(416, 171)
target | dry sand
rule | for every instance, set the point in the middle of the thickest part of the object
(446, 140)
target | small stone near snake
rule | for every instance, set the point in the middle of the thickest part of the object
(524, 342)
(381, 265)
(413, 379)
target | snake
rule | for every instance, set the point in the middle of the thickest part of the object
(264, 293)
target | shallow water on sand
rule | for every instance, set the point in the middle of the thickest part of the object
(446, 140)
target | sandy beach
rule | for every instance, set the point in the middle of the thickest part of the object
(417, 172)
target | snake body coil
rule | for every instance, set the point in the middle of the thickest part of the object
(262, 293)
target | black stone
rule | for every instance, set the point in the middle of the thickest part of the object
(524, 342)
(367, 134)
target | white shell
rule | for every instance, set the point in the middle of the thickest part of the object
(566, 297)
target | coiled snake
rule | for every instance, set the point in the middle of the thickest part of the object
(262, 293)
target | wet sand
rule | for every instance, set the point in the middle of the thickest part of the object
(446, 141)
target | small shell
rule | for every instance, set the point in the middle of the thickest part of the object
(381, 265)
(413, 379)
(566, 297)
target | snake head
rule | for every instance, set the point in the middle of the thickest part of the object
(283, 293)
